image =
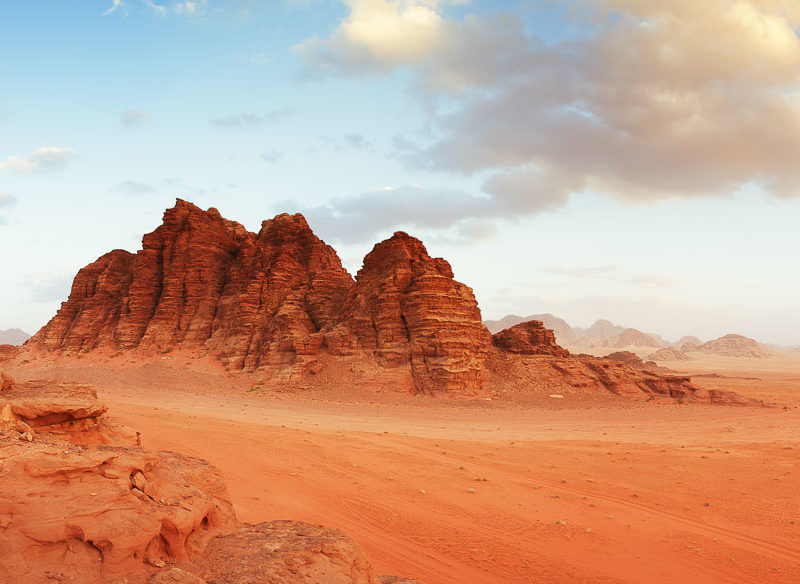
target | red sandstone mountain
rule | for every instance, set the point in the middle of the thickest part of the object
(279, 302)
(275, 300)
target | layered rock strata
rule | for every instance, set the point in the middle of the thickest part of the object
(276, 299)
(668, 354)
(529, 338)
(406, 310)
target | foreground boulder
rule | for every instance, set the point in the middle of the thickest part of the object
(285, 552)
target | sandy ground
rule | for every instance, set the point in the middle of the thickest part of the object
(462, 492)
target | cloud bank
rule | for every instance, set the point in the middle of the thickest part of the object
(650, 101)
(45, 160)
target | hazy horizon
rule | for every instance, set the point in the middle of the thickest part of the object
(589, 159)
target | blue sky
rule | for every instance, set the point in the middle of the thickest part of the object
(593, 159)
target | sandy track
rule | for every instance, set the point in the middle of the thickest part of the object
(641, 494)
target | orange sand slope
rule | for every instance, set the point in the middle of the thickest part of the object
(452, 492)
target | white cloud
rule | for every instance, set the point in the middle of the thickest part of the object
(251, 120)
(272, 156)
(7, 200)
(656, 100)
(133, 117)
(158, 9)
(115, 5)
(131, 187)
(47, 159)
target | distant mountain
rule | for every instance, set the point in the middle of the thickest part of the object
(635, 338)
(564, 333)
(601, 329)
(667, 354)
(735, 346)
(13, 336)
(688, 339)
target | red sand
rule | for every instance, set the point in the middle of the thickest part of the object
(577, 490)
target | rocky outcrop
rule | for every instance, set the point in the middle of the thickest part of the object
(7, 382)
(407, 310)
(274, 300)
(734, 346)
(121, 513)
(668, 354)
(631, 359)
(67, 410)
(8, 352)
(689, 347)
(285, 552)
(529, 338)
(560, 327)
(587, 374)
(76, 512)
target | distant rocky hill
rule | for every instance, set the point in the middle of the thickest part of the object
(688, 339)
(635, 338)
(13, 336)
(601, 329)
(603, 333)
(734, 346)
(667, 354)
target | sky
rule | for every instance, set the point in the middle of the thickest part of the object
(621, 159)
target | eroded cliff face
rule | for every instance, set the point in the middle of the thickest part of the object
(407, 310)
(275, 300)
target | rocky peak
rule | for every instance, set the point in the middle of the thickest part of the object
(277, 300)
(529, 338)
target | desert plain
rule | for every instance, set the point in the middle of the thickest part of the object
(516, 488)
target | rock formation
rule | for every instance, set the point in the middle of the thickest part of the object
(628, 358)
(274, 300)
(6, 381)
(563, 332)
(529, 338)
(528, 357)
(688, 339)
(406, 309)
(635, 338)
(734, 346)
(285, 552)
(8, 352)
(75, 510)
(668, 354)
(279, 302)
(689, 347)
